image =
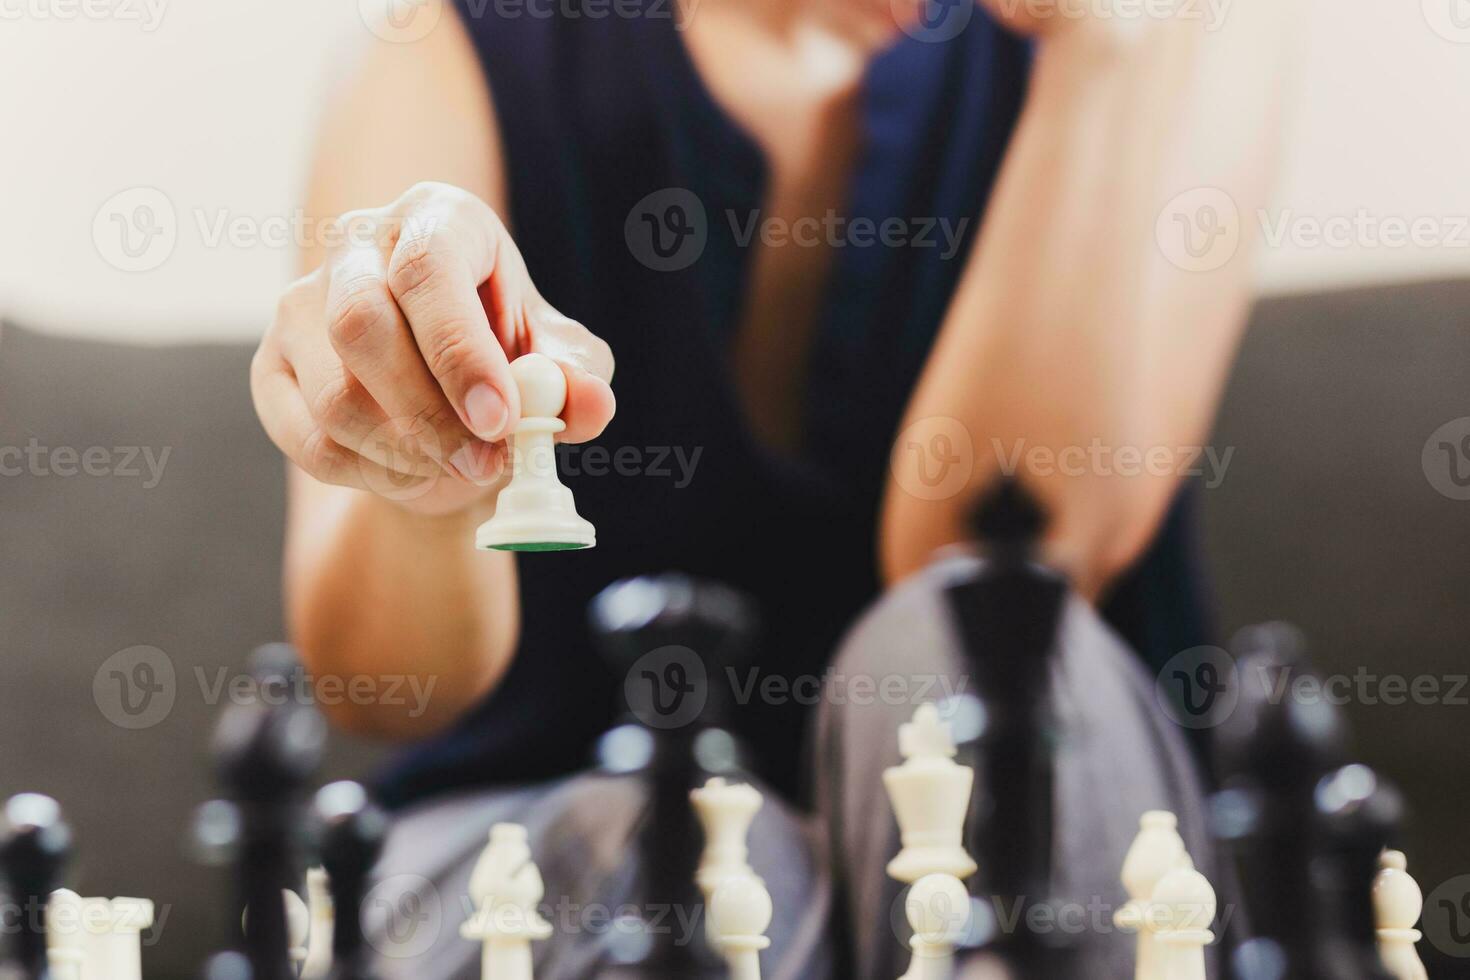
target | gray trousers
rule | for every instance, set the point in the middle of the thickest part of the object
(1120, 757)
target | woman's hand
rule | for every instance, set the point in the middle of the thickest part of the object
(387, 368)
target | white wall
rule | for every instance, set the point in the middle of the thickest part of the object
(213, 105)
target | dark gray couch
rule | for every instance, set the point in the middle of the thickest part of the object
(1325, 517)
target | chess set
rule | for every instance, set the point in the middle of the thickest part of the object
(1320, 895)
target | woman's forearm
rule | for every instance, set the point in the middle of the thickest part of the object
(1077, 332)
(397, 607)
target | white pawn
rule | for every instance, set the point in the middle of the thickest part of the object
(930, 793)
(506, 886)
(535, 512)
(726, 811)
(1180, 914)
(938, 910)
(65, 941)
(1397, 905)
(1157, 850)
(323, 923)
(739, 915)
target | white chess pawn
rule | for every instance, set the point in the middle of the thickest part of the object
(740, 913)
(1397, 905)
(506, 886)
(930, 793)
(1180, 914)
(323, 922)
(1157, 850)
(535, 512)
(65, 941)
(938, 910)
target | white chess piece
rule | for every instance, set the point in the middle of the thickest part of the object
(938, 910)
(930, 793)
(506, 886)
(112, 940)
(1180, 913)
(1397, 905)
(298, 928)
(65, 940)
(535, 512)
(739, 914)
(726, 811)
(323, 922)
(1157, 850)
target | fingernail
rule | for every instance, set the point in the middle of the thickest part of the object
(464, 463)
(487, 411)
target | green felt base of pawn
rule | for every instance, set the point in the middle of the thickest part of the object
(541, 546)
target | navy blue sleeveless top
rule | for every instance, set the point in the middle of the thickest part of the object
(631, 194)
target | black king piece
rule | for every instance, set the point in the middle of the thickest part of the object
(1007, 617)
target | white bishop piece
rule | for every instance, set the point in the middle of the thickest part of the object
(1157, 850)
(930, 793)
(535, 512)
(1180, 914)
(938, 910)
(739, 915)
(1397, 904)
(506, 886)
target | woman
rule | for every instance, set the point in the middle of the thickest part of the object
(735, 197)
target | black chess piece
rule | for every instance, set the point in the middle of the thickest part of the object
(353, 829)
(266, 748)
(1305, 826)
(669, 639)
(1009, 613)
(35, 843)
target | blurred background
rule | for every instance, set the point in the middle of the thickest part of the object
(153, 156)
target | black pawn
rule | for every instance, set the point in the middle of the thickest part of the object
(266, 749)
(668, 641)
(35, 843)
(353, 829)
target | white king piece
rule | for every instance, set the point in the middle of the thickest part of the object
(506, 887)
(930, 793)
(535, 512)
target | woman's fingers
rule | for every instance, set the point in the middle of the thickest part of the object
(449, 244)
(289, 423)
(587, 361)
(368, 332)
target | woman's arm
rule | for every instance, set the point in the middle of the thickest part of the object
(1073, 329)
(383, 584)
